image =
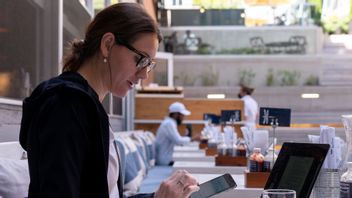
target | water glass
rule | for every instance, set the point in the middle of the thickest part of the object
(278, 193)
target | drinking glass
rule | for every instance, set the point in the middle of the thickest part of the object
(278, 193)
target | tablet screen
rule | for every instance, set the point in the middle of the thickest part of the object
(215, 186)
(296, 171)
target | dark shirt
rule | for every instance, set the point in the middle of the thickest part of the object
(65, 131)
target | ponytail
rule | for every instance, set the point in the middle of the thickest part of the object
(75, 58)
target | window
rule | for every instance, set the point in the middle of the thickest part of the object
(18, 47)
(114, 107)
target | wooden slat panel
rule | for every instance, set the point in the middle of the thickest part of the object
(200, 106)
(157, 108)
(153, 108)
(147, 108)
(196, 128)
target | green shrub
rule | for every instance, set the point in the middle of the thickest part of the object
(270, 78)
(209, 76)
(238, 51)
(312, 80)
(336, 25)
(288, 78)
(205, 49)
(184, 79)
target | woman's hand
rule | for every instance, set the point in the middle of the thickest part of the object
(180, 184)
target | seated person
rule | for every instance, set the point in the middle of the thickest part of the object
(168, 136)
(65, 129)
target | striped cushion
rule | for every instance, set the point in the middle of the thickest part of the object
(149, 140)
(142, 149)
(134, 171)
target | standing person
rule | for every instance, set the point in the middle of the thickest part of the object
(167, 135)
(251, 112)
(64, 127)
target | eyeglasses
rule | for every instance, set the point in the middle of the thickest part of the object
(144, 61)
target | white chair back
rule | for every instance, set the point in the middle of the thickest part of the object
(11, 150)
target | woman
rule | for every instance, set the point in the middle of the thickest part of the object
(65, 129)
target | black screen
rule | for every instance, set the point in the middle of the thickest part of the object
(268, 115)
(215, 119)
(295, 173)
(228, 115)
(297, 167)
(214, 186)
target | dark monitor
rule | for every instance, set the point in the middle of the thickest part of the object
(230, 115)
(215, 119)
(267, 115)
(297, 167)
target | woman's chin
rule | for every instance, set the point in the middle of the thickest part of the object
(120, 93)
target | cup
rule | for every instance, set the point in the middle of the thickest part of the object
(278, 193)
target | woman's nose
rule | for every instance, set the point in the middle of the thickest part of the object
(143, 73)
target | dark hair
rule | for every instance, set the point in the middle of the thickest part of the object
(174, 114)
(125, 20)
(247, 90)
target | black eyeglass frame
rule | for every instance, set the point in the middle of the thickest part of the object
(144, 58)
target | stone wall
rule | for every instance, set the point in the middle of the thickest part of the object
(224, 70)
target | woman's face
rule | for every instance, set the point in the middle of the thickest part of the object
(123, 62)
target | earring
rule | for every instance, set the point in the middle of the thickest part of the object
(105, 60)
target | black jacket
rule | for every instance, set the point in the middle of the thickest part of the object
(65, 131)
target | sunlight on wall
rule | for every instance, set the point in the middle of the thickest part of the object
(4, 82)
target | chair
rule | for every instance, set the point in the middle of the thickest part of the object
(257, 43)
(14, 173)
(297, 44)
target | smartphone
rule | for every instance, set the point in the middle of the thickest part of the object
(215, 186)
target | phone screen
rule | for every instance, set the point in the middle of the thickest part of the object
(215, 186)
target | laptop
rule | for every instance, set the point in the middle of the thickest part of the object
(297, 167)
(230, 115)
(215, 119)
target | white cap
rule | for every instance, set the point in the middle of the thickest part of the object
(178, 107)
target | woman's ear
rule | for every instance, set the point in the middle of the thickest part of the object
(106, 43)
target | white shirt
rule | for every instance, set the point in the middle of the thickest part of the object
(250, 111)
(167, 137)
(113, 168)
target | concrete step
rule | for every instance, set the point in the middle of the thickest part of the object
(337, 70)
(318, 117)
(338, 44)
(339, 51)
